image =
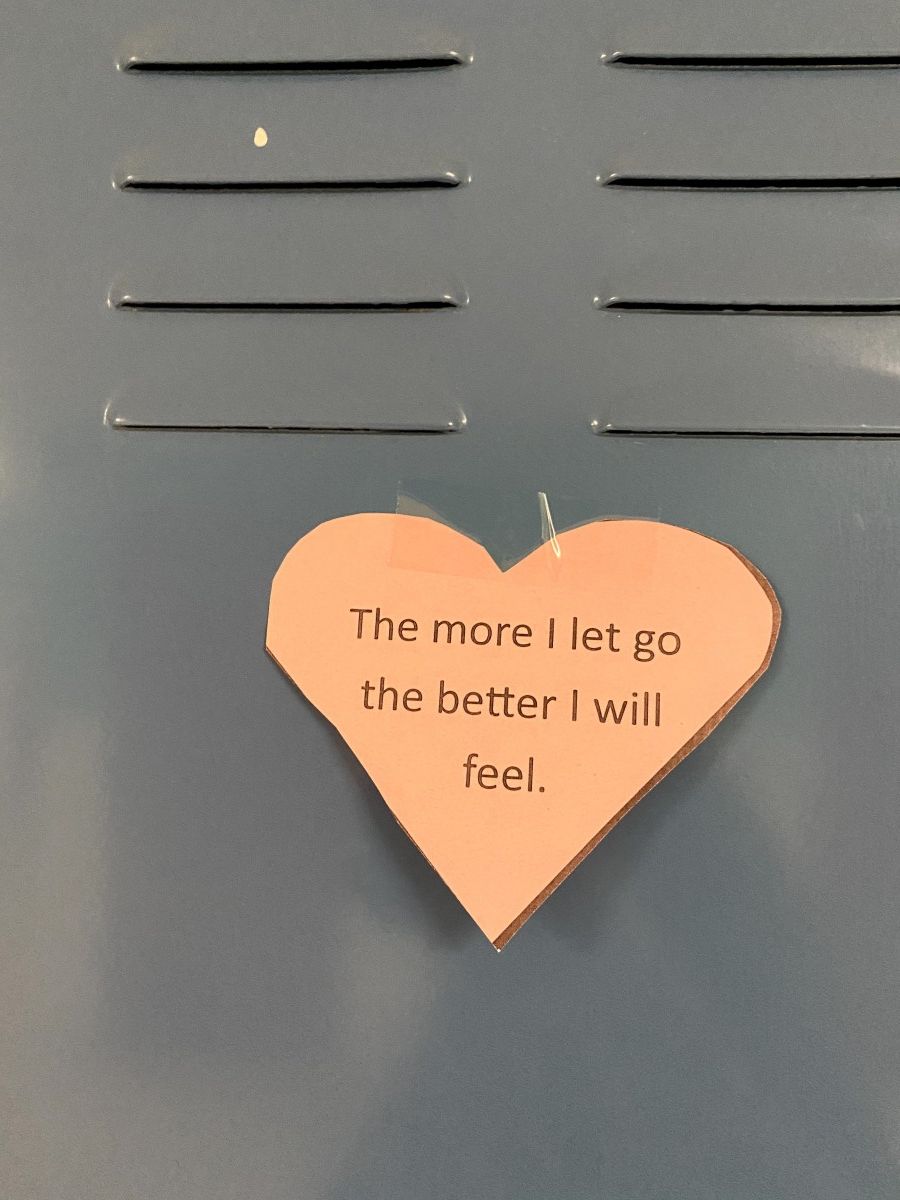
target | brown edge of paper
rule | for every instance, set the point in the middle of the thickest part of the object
(700, 736)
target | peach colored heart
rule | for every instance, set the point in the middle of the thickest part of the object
(504, 757)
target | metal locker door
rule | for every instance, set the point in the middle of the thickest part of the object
(638, 256)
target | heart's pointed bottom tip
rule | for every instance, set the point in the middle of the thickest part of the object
(502, 940)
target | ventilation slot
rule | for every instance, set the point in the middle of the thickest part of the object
(232, 401)
(410, 304)
(753, 183)
(419, 429)
(439, 60)
(755, 62)
(755, 307)
(610, 431)
(427, 181)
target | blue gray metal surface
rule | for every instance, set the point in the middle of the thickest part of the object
(226, 973)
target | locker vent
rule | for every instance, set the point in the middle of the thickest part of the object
(207, 382)
(436, 61)
(754, 62)
(752, 183)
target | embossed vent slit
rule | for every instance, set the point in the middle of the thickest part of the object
(754, 62)
(849, 432)
(388, 183)
(752, 183)
(212, 305)
(435, 61)
(421, 428)
(755, 307)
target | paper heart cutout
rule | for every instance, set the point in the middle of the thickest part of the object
(505, 836)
